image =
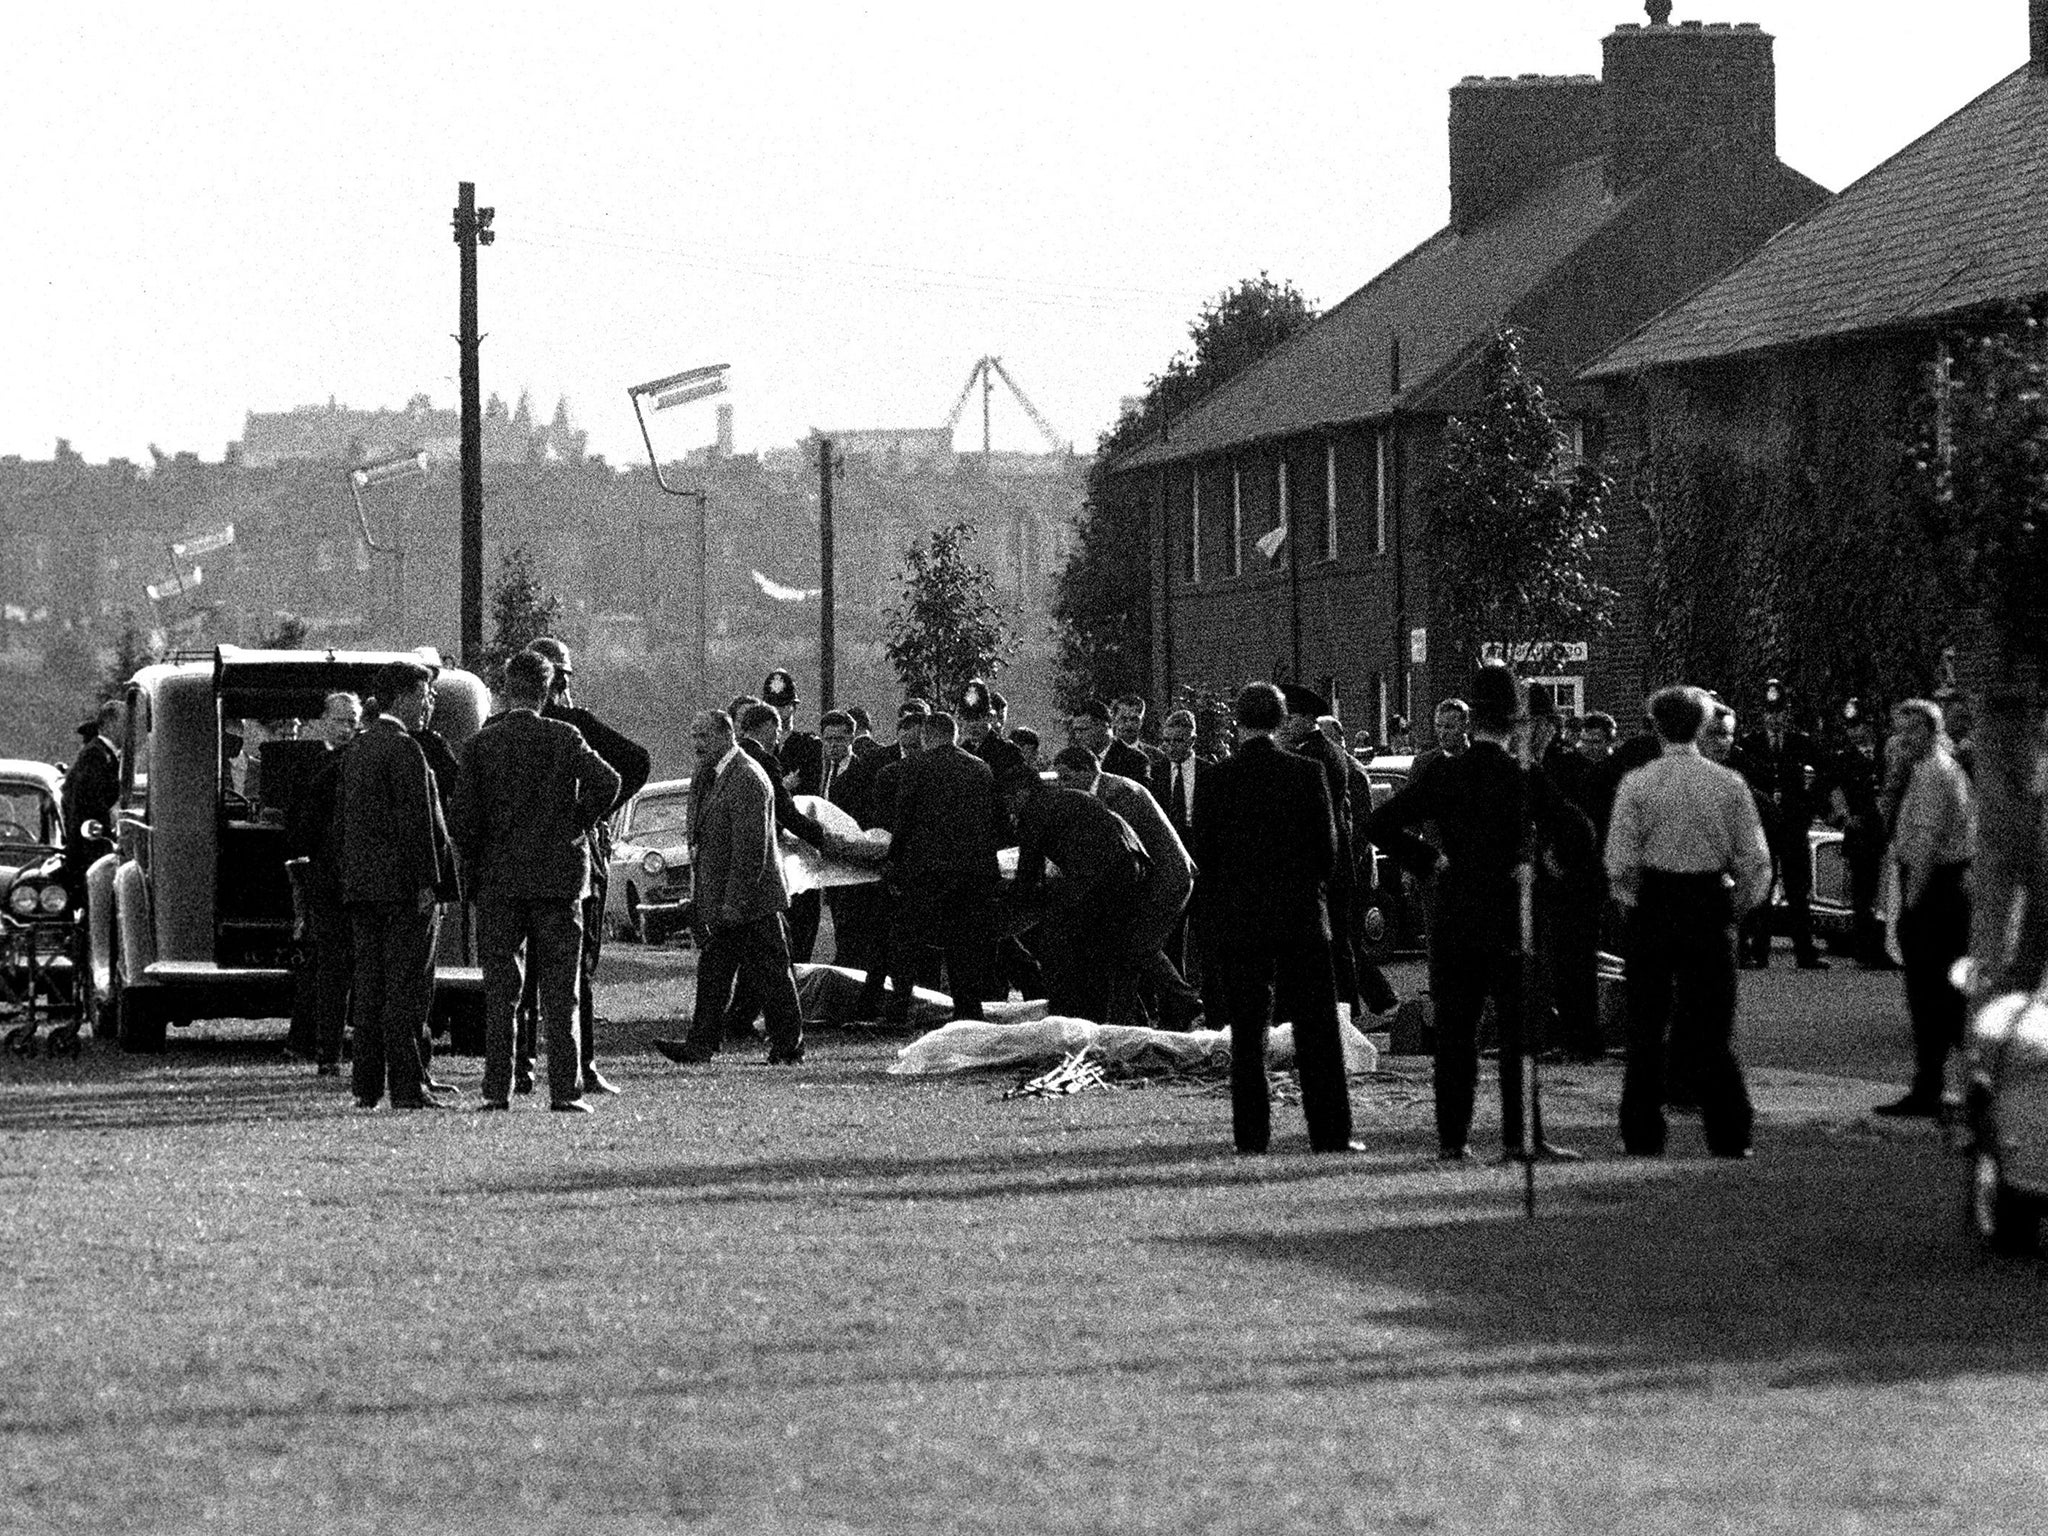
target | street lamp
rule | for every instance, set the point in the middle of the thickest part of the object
(384, 472)
(663, 395)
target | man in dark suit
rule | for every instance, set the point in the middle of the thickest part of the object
(1173, 785)
(1127, 752)
(1265, 846)
(1481, 802)
(1783, 767)
(1855, 773)
(741, 899)
(1300, 733)
(1090, 907)
(527, 795)
(310, 834)
(978, 733)
(948, 827)
(630, 761)
(397, 865)
(91, 790)
(845, 782)
(868, 794)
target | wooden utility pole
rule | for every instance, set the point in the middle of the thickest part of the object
(826, 639)
(472, 229)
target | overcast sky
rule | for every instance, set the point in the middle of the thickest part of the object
(217, 208)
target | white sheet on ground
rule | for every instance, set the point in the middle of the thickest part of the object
(965, 1045)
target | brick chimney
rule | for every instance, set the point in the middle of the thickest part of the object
(2037, 39)
(1671, 89)
(1510, 135)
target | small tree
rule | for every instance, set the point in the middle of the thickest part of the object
(133, 650)
(287, 634)
(948, 626)
(1515, 524)
(522, 610)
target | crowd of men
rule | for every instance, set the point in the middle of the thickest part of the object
(1159, 885)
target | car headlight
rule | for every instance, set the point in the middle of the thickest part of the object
(22, 900)
(652, 863)
(55, 899)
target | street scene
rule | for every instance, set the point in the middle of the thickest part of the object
(1386, 876)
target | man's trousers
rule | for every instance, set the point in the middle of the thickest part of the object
(543, 935)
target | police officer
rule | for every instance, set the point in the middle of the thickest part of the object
(800, 757)
(1783, 767)
(1854, 775)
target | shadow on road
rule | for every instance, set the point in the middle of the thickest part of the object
(1828, 1261)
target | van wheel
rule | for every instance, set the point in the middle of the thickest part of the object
(2004, 1220)
(141, 1021)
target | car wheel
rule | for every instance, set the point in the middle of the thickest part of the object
(140, 1020)
(2004, 1220)
(1375, 928)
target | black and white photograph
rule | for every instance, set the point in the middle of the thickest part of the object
(1090, 769)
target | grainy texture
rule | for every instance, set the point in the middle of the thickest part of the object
(825, 1299)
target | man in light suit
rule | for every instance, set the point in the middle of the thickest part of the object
(527, 794)
(741, 900)
(396, 865)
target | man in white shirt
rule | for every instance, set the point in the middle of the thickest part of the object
(1686, 858)
(1934, 838)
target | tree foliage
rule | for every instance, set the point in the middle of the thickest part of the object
(947, 627)
(1515, 523)
(1981, 470)
(1101, 607)
(287, 634)
(522, 610)
(134, 649)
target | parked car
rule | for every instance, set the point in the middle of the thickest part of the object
(191, 915)
(41, 928)
(1389, 917)
(650, 862)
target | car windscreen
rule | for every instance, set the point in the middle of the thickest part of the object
(660, 816)
(28, 817)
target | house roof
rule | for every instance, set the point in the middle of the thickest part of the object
(1449, 292)
(1956, 220)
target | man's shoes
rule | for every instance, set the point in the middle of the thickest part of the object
(684, 1053)
(1734, 1154)
(570, 1107)
(595, 1081)
(1812, 963)
(1626, 1150)
(778, 1057)
(1912, 1107)
(1342, 1146)
(363, 1103)
(493, 1106)
(522, 1080)
(1457, 1154)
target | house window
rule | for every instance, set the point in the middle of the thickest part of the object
(1236, 521)
(1379, 493)
(1330, 499)
(1195, 526)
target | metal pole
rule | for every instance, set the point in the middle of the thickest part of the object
(467, 227)
(825, 596)
(703, 599)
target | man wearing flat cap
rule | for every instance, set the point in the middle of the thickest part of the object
(1481, 801)
(1783, 767)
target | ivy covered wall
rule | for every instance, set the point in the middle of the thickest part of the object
(1773, 507)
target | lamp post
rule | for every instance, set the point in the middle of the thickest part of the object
(385, 472)
(665, 394)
